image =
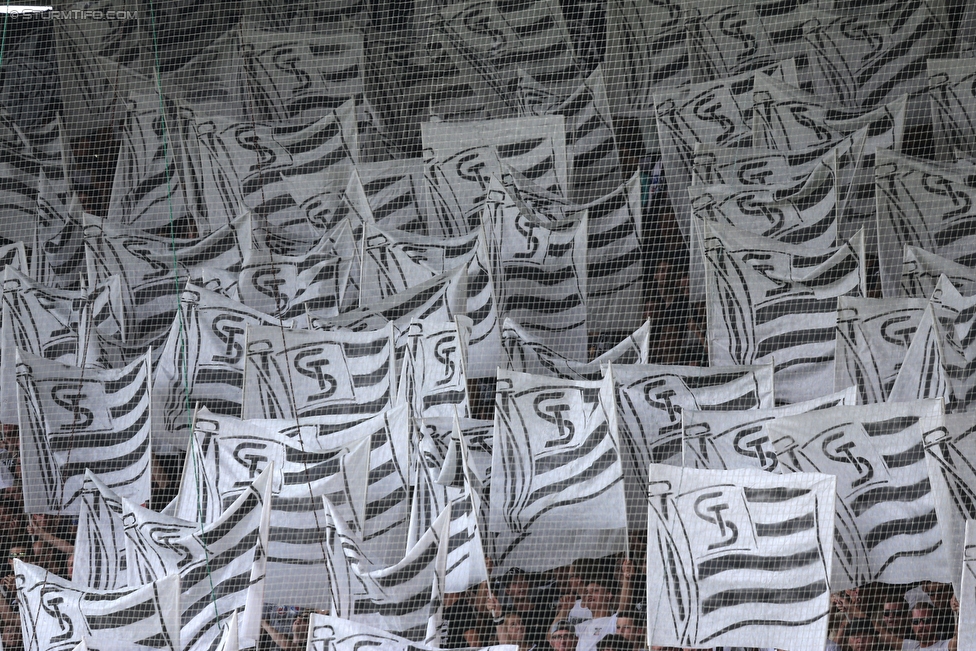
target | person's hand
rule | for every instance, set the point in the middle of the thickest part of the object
(494, 607)
(954, 604)
(627, 570)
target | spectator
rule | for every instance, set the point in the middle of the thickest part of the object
(862, 636)
(534, 615)
(614, 643)
(894, 623)
(562, 637)
(631, 626)
(601, 597)
(512, 631)
(469, 620)
(925, 626)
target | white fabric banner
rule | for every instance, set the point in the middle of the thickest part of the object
(887, 527)
(557, 476)
(726, 440)
(302, 373)
(922, 204)
(526, 354)
(873, 336)
(775, 302)
(201, 363)
(650, 400)
(221, 565)
(739, 557)
(56, 613)
(77, 419)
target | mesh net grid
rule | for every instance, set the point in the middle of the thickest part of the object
(544, 325)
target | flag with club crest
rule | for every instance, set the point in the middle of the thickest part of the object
(873, 337)
(405, 598)
(950, 453)
(461, 156)
(221, 565)
(57, 613)
(99, 561)
(952, 101)
(439, 299)
(726, 440)
(860, 75)
(923, 204)
(531, 36)
(363, 469)
(788, 119)
(302, 373)
(920, 272)
(557, 477)
(540, 271)
(151, 285)
(147, 192)
(650, 399)
(716, 113)
(768, 301)
(54, 324)
(590, 142)
(526, 354)
(739, 557)
(76, 419)
(886, 523)
(395, 262)
(202, 364)
(434, 370)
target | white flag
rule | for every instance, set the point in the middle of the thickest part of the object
(56, 613)
(557, 476)
(873, 337)
(526, 354)
(201, 363)
(61, 325)
(950, 454)
(921, 269)
(726, 440)
(331, 633)
(775, 302)
(967, 593)
(650, 399)
(434, 372)
(77, 419)
(302, 373)
(405, 598)
(221, 565)
(739, 557)
(887, 527)
(317, 457)
(460, 157)
(99, 561)
(921, 204)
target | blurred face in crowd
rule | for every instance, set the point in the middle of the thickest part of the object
(598, 599)
(563, 641)
(939, 593)
(924, 625)
(511, 630)
(895, 617)
(863, 642)
(630, 629)
(518, 589)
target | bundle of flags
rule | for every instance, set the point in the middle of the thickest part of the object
(356, 269)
